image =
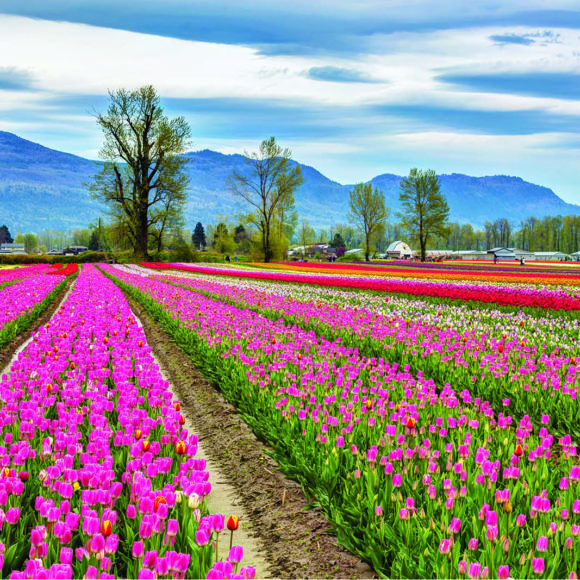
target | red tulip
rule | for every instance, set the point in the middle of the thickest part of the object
(106, 528)
(233, 523)
(158, 501)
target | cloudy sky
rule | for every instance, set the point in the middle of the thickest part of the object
(353, 88)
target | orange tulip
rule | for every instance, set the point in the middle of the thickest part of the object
(180, 448)
(138, 434)
(518, 452)
(177, 406)
(410, 423)
(145, 445)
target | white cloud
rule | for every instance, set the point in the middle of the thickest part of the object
(80, 59)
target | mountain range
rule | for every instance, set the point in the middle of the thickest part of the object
(41, 188)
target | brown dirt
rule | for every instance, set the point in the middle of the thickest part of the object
(296, 541)
(7, 353)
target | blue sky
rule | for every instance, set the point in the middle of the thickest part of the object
(354, 88)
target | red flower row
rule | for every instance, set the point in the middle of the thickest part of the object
(507, 296)
(68, 270)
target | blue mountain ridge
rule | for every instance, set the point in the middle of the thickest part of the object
(41, 188)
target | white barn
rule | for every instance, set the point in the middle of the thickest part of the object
(399, 249)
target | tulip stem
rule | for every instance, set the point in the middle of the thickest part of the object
(231, 538)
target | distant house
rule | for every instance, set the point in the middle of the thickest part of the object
(12, 249)
(399, 249)
(575, 256)
(76, 250)
(551, 256)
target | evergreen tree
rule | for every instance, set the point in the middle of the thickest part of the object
(5, 237)
(240, 234)
(198, 236)
(337, 241)
(94, 241)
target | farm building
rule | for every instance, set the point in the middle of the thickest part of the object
(470, 255)
(525, 254)
(551, 256)
(311, 250)
(399, 249)
(502, 254)
(511, 254)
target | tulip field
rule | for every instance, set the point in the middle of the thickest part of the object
(435, 421)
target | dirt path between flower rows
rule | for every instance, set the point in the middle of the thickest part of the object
(9, 353)
(295, 542)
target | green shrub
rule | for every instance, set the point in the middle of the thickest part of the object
(356, 257)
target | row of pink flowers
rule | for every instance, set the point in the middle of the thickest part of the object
(100, 477)
(23, 295)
